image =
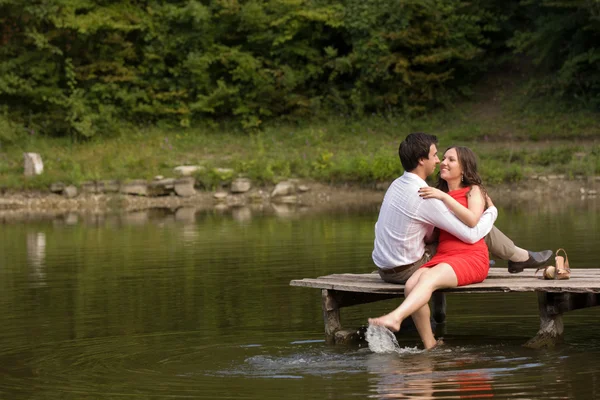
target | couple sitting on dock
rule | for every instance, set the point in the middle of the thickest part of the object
(408, 249)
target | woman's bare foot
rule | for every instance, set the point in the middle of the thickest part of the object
(434, 345)
(388, 320)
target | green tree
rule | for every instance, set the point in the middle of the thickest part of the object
(562, 38)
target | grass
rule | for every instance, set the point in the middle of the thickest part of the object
(512, 136)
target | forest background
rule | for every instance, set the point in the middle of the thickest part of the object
(312, 89)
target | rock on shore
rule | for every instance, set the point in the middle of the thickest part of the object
(537, 191)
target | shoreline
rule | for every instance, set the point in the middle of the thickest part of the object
(539, 193)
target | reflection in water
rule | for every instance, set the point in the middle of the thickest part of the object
(189, 304)
(36, 257)
(186, 214)
(241, 214)
(136, 217)
(221, 208)
(71, 219)
(398, 377)
(189, 234)
(427, 375)
(284, 210)
(186, 218)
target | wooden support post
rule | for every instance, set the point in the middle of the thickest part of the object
(551, 307)
(331, 314)
(438, 305)
(438, 313)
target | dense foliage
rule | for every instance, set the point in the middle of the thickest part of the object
(81, 67)
(563, 37)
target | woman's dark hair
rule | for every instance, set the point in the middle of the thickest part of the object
(414, 147)
(468, 162)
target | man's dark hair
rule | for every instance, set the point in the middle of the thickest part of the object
(414, 147)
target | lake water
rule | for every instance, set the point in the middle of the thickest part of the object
(198, 305)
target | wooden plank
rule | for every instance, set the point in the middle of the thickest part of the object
(582, 281)
(376, 282)
(580, 272)
(484, 287)
(494, 273)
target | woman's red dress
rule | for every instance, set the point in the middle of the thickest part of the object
(470, 262)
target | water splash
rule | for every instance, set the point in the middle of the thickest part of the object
(381, 340)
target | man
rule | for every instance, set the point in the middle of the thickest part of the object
(404, 232)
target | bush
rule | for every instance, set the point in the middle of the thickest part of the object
(10, 132)
(562, 38)
(77, 67)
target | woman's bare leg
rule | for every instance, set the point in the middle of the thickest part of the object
(421, 317)
(439, 277)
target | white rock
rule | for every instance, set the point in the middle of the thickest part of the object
(70, 191)
(135, 187)
(291, 199)
(159, 188)
(187, 170)
(303, 188)
(236, 201)
(163, 187)
(33, 164)
(185, 187)
(220, 195)
(6, 204)
(168, 183)
(256, 197)
(284, 188)
(241, 185)
(57, 187)
(107, 186)
(89, 187)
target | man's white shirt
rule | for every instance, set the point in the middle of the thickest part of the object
(406, 220)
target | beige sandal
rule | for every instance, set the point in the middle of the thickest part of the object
(548, 272)
(563, 271)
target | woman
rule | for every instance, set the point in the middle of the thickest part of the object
(456, 263)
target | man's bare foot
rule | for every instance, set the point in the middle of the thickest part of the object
(388, 321)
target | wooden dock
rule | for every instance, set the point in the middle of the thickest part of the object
(554, 297)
